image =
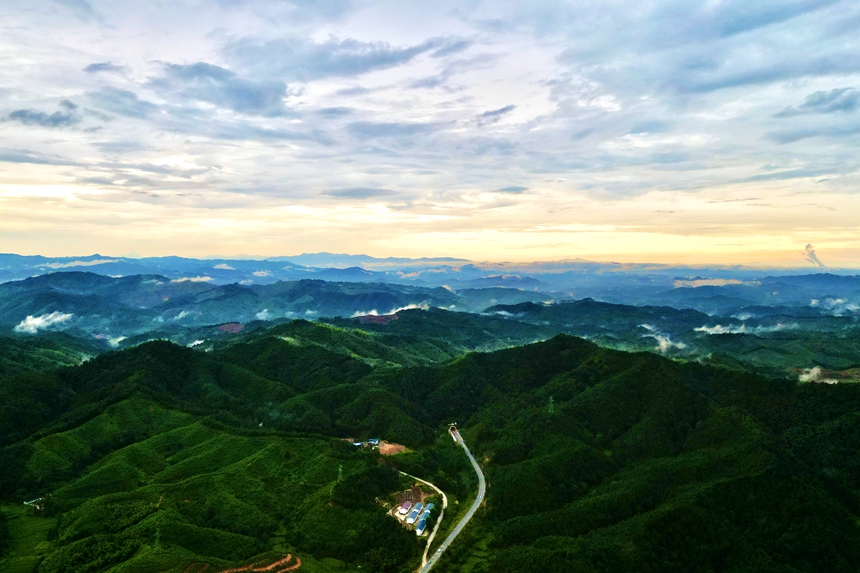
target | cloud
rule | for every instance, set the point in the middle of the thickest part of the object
(359, 192)
(224, 267)
(221, 87)
(837, 306)
(809, 255)
(455, 46)
(335, 111)
(202, 279)
(301, 59)
(33, 324)
(493, 116)
(114, 341)
(370, 130)
(455, 67)
(516, 189)
(743, 329)
(795, 135)
(701, 281)
(238, 131)
(264, 315)
(82, 8)
(122, 102)
(79, 263)
(262, 273)
(664, 342)
(823, 102)
(30, 157)
(652, 126)
(421, 306)
(814, 375)
(66, 117)
(97, 67)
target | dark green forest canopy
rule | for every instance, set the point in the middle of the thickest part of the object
(597, 460)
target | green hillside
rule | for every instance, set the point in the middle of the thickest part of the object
(165, 458)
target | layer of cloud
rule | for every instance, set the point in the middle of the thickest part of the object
(744, 329)
(221, 87)
(67, 116)
(360, 193)
(200, 279)
(297, 58)
(664, 341)
(97, 67)
(422, 126)
(33, 324)
(823, 102)
(71, 264)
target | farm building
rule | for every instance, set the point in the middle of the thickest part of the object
(416, 511)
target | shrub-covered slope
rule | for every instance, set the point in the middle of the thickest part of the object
(597, 460)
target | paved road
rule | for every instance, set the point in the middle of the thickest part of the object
(438, 521)
(482, 491)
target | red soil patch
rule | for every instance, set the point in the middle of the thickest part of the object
(279, 566)
(233, 327)
(388, 449)
(373, 319)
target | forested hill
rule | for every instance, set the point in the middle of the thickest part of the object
(161, 456)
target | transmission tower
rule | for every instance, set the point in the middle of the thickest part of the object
(551, 405)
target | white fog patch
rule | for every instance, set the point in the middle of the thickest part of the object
(261, 274)
(840, 306)
(373, 312)
(181, 315)
(264, 314)
(814, 375)
(224, 267)
(79, 263)
(202, 279)
(742, 316)
(195, 343)
(33, 324)
(114, 342)
(664, 342)
(813, 302)
(744, 329)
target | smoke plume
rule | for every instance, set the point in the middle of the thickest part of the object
(810, 256)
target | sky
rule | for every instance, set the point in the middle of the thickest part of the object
(721, 132)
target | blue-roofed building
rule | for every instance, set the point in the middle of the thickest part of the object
(358, 444)
(412, 517)
(419, 506)
(422, 525)
(373, 441)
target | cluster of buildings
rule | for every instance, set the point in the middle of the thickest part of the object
(370, 443)
(415, 515)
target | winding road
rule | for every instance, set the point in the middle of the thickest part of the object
(482, 491)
